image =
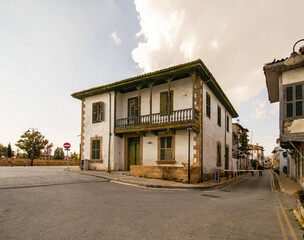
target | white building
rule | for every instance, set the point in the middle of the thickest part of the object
(151, 124)
(285, 84)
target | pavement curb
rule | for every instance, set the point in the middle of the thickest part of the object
(154, 185)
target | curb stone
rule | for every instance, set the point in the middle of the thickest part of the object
(154, 185)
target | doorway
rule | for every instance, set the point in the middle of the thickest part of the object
(133, 151)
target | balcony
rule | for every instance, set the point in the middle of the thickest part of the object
(179, 119)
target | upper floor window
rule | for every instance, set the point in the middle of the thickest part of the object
(294, 101)
(98, 112)
(219, 115)
(164, 105)
(227, 123)
(208, 105)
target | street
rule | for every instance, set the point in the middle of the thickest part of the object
(50, 203)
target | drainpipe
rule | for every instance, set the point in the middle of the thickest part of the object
(202, 134)
(109, 145)
(189, 129)
(225, 140)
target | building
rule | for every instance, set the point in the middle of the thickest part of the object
(256, 155)
(285, 84)
(240, 151)
(156, 123)
(282, 160)
(45, 156)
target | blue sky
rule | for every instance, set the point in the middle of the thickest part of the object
(50, 49)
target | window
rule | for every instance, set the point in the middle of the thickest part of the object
(164, 102)
(294, 101)
(227, 123)
(219, 116)
(219, 155)
(166, 148)
(97, 112)
(96, 148)
(208, 105)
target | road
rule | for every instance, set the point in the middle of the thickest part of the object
(49, 203)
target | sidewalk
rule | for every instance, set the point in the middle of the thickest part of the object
(154, 183)
(287, 185)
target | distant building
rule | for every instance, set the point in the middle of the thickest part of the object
(45, 156)
(283, 159)
(256, 154)
(240, 149)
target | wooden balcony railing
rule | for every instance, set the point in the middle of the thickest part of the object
(183, 115)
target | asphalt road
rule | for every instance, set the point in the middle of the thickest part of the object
(49, 203)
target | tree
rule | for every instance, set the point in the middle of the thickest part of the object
(9, 151)
(3, 150)
(74, 156)
(33, 142)
(58, 153)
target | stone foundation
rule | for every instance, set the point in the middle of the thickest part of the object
(170, 173)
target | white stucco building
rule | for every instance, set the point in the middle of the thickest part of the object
(155, 123)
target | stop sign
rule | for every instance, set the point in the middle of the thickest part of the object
(66, 145)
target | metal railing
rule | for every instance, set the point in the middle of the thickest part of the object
(183, 115)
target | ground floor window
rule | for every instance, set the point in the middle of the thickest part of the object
(166, 148)
(96, 148)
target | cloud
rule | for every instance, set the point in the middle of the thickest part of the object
(115, 37)
(259, 110)
(233, 38)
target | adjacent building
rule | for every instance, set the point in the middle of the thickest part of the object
(159, 124)
(285, 84)
(256, 155)
(240, 149)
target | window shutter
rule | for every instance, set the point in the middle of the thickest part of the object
(94, 113)
(101, 117)
(171, 101)
(163, 102)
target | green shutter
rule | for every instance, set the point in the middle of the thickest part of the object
(163, 102)
(101, 111)
(171, 101)
(94, 113)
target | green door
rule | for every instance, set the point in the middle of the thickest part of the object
(133, 152)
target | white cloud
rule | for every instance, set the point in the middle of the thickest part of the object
(115, 37)
(259, 110)
(233, 38)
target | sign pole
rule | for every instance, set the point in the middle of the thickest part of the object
(67, 148)
(68, 158)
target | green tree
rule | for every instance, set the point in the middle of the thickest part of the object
(58, 153)
(3, 150)
(9, 151)
(33, 143)
(74, 156)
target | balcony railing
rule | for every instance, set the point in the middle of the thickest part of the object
(183, 115)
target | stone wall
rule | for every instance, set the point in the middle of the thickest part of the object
(169, 173)
(36, 162)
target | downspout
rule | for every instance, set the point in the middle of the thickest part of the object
(109, 145)
(225, 140)
(202, 134)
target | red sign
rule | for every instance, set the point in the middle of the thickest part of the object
(66, 145)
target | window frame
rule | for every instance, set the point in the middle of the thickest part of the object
(219, 116)
(293, 101)
(96, 138)
(166, 135)
(97, 107)
(208, 105)
(227, 123)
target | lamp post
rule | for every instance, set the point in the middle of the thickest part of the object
(295, 57)
(32, 154)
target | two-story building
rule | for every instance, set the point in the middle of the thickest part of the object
(159, 124)
(256, 155)
(285, 84)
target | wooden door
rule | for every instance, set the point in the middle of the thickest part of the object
(133, 151)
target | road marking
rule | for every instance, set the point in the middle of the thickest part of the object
(280, 222)
(293, 234)
(233, 183)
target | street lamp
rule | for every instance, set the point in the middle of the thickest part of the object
(295, 57)
(32, 155)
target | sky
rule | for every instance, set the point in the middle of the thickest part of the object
(51, 49)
